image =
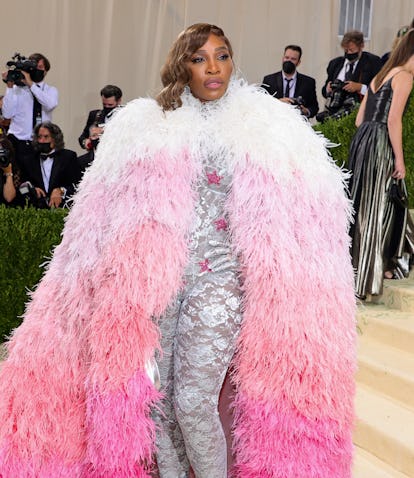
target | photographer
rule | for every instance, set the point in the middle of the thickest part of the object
(9, 177)
(95, 133)
(28, 100)
(292, 87)
(348, 76)
(111, 97)
(51, 173)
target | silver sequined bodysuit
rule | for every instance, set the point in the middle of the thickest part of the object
(199, 333)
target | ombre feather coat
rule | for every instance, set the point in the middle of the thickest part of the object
(75, 400)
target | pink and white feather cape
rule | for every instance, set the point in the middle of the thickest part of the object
(74, 397)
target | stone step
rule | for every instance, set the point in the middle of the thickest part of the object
(387, 370)
(386, 325)
(398, 294)
(385, 429)
(367, 465)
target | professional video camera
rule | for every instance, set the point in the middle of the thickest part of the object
(18, 64)
(4, 157)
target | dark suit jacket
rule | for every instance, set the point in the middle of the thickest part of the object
(368, 66)
(93, 117)
(305, 87)
(65, 171)
(86, 159)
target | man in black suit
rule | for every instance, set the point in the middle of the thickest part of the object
(292, 87)
(95, 132)
(111, 98)
(52, 171)
(356, 68)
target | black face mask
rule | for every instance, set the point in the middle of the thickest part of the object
(288, 67)
(37, 75)
(43, 148)
(94, 143)
(351, 56)
(106, 111)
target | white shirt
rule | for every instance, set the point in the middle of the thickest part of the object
(18, 107)
(292, 85)
(46, 167)
(341, 75)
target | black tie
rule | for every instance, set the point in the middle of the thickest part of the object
(45, 156)
(287, 89)
(349, 71)
(37, 111)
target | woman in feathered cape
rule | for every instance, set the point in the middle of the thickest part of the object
(75, 398)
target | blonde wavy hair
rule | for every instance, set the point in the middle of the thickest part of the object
(175, 74)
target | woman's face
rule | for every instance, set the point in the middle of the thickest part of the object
(210, 69)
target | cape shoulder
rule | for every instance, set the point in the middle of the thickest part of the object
(275, 137)
(137, 132)
(246, 123)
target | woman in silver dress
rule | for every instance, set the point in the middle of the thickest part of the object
(199, 331)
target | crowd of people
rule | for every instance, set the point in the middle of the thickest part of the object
(37, 169)
(29, 100)
(223, 255)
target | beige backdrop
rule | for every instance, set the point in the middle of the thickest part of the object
(91, 43)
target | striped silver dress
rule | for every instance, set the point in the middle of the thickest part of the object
(382, 233)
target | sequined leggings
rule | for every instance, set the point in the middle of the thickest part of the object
(199, 333)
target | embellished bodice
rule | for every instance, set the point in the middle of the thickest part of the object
(210, 225)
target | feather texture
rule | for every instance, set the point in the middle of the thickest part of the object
(74, 397)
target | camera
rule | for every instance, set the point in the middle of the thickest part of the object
(28, 191)
(18, 64)
(337, 84)
(339, 102)
(297, 101)
(336, 97)
(4, 157)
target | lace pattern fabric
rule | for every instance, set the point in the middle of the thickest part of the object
(199, 332)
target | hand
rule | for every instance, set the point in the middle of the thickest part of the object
(352, 87)
(27, 80)
(328, 87)
(220, 257)
(40, 193)
(4, 76)
(286, 100)
(56, 198)
(87, 143)
(399, 169)
(304, 111)
(7, 169)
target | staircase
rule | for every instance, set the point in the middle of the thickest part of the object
(384, 434)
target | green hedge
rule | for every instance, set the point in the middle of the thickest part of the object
(341, 132)
(27, 237)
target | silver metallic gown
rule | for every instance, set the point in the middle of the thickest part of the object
(199, 333)
(382, 234)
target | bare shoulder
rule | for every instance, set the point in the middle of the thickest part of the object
(402, 78)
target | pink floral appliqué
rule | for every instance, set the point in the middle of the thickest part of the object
(221, 224)
(214, 178)
(204, 266)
